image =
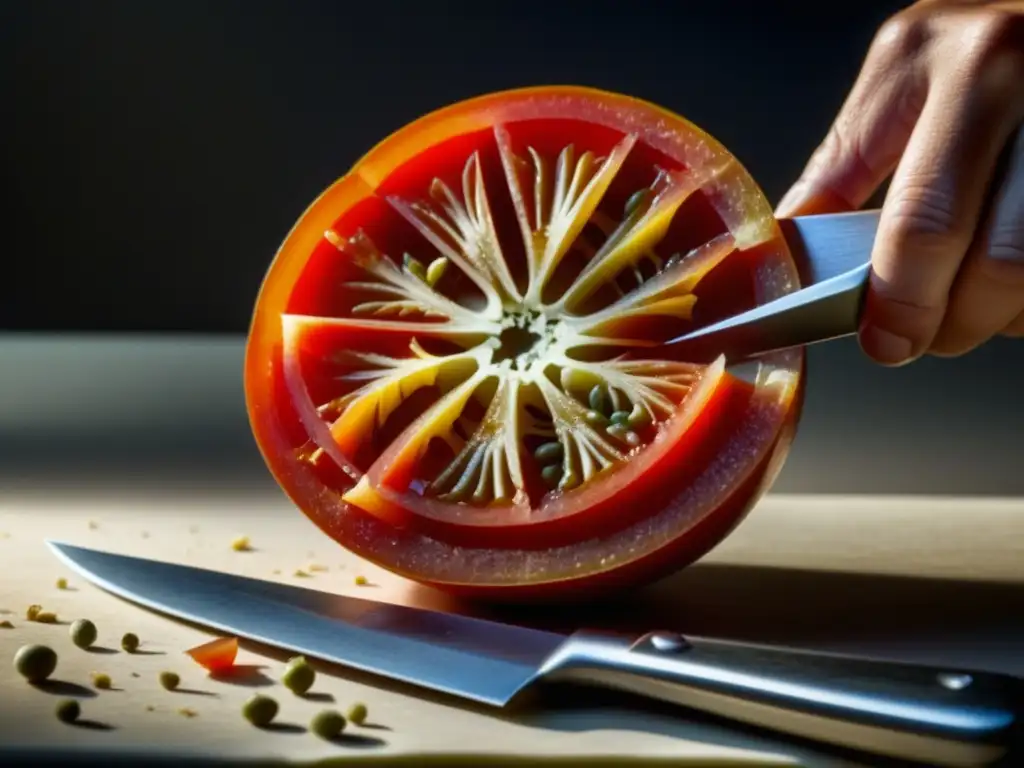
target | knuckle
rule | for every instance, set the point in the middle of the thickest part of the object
(843, 146)
(901, 35)
(994, 49)
(922, 214)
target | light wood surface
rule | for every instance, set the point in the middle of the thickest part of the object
(938, 580)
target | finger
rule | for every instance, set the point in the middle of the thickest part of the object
(868, 135)
(930, 215)
(1015, 330)
(988, 293)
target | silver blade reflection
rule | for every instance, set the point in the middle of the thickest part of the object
(480, 660)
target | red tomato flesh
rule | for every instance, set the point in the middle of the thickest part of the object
(453, 367)
(217, 656)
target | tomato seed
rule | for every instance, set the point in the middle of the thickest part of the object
(436, 270)
(551, 474)
(619, 417)
(599, 400)
(68, 710)
(35, 662)
(636, 200)
(549, 453)
(83, 633)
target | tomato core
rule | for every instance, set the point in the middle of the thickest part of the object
(454, 364)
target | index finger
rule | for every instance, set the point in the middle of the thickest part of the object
(929, 218)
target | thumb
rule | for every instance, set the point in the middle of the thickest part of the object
(868, 136)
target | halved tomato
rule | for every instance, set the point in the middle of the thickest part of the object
(453, 367)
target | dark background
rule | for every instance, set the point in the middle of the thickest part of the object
(156, 153)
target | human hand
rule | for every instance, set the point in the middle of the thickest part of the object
(939, 103)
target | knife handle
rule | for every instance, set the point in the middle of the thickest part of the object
(936, 715)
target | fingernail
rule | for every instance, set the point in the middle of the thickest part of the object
(885, 347)
(790, 200)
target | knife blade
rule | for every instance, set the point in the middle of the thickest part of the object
(833, 253)
(951, 717)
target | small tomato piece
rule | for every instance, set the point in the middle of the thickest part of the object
(217, 655)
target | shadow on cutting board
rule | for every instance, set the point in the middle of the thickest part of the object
(975, 624)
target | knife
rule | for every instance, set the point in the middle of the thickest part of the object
(833, 252)
(949, 717)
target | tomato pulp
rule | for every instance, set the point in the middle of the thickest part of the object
(453, 368)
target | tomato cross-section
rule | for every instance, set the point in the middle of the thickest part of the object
(454, 366)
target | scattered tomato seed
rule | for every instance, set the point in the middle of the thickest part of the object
(68, 710)
(35, 662)
(83, 633)
(301, 573)
(186, 712)
(298, 676)
(169, 680)
(260, 710)
(130, 642)
(32, 611)
(357, 713)
(5, 624)
(327, 724)
(62, 583)
(241, 544)
(101, 680)
(46, 617)
(317, 567)
(361, 581)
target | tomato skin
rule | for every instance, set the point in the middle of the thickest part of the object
(415, 550)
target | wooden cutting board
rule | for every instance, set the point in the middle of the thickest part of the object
(939, 580)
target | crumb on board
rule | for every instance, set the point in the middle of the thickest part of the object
(150, 708)
(301, 573)
(135, 674)
(187, 712)
(5, 624)
(46, 617)
(193, 529)
(277, 571)
(241, 544)
(62, 583)
(93, 525)
(361, 581)
(145, 534)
